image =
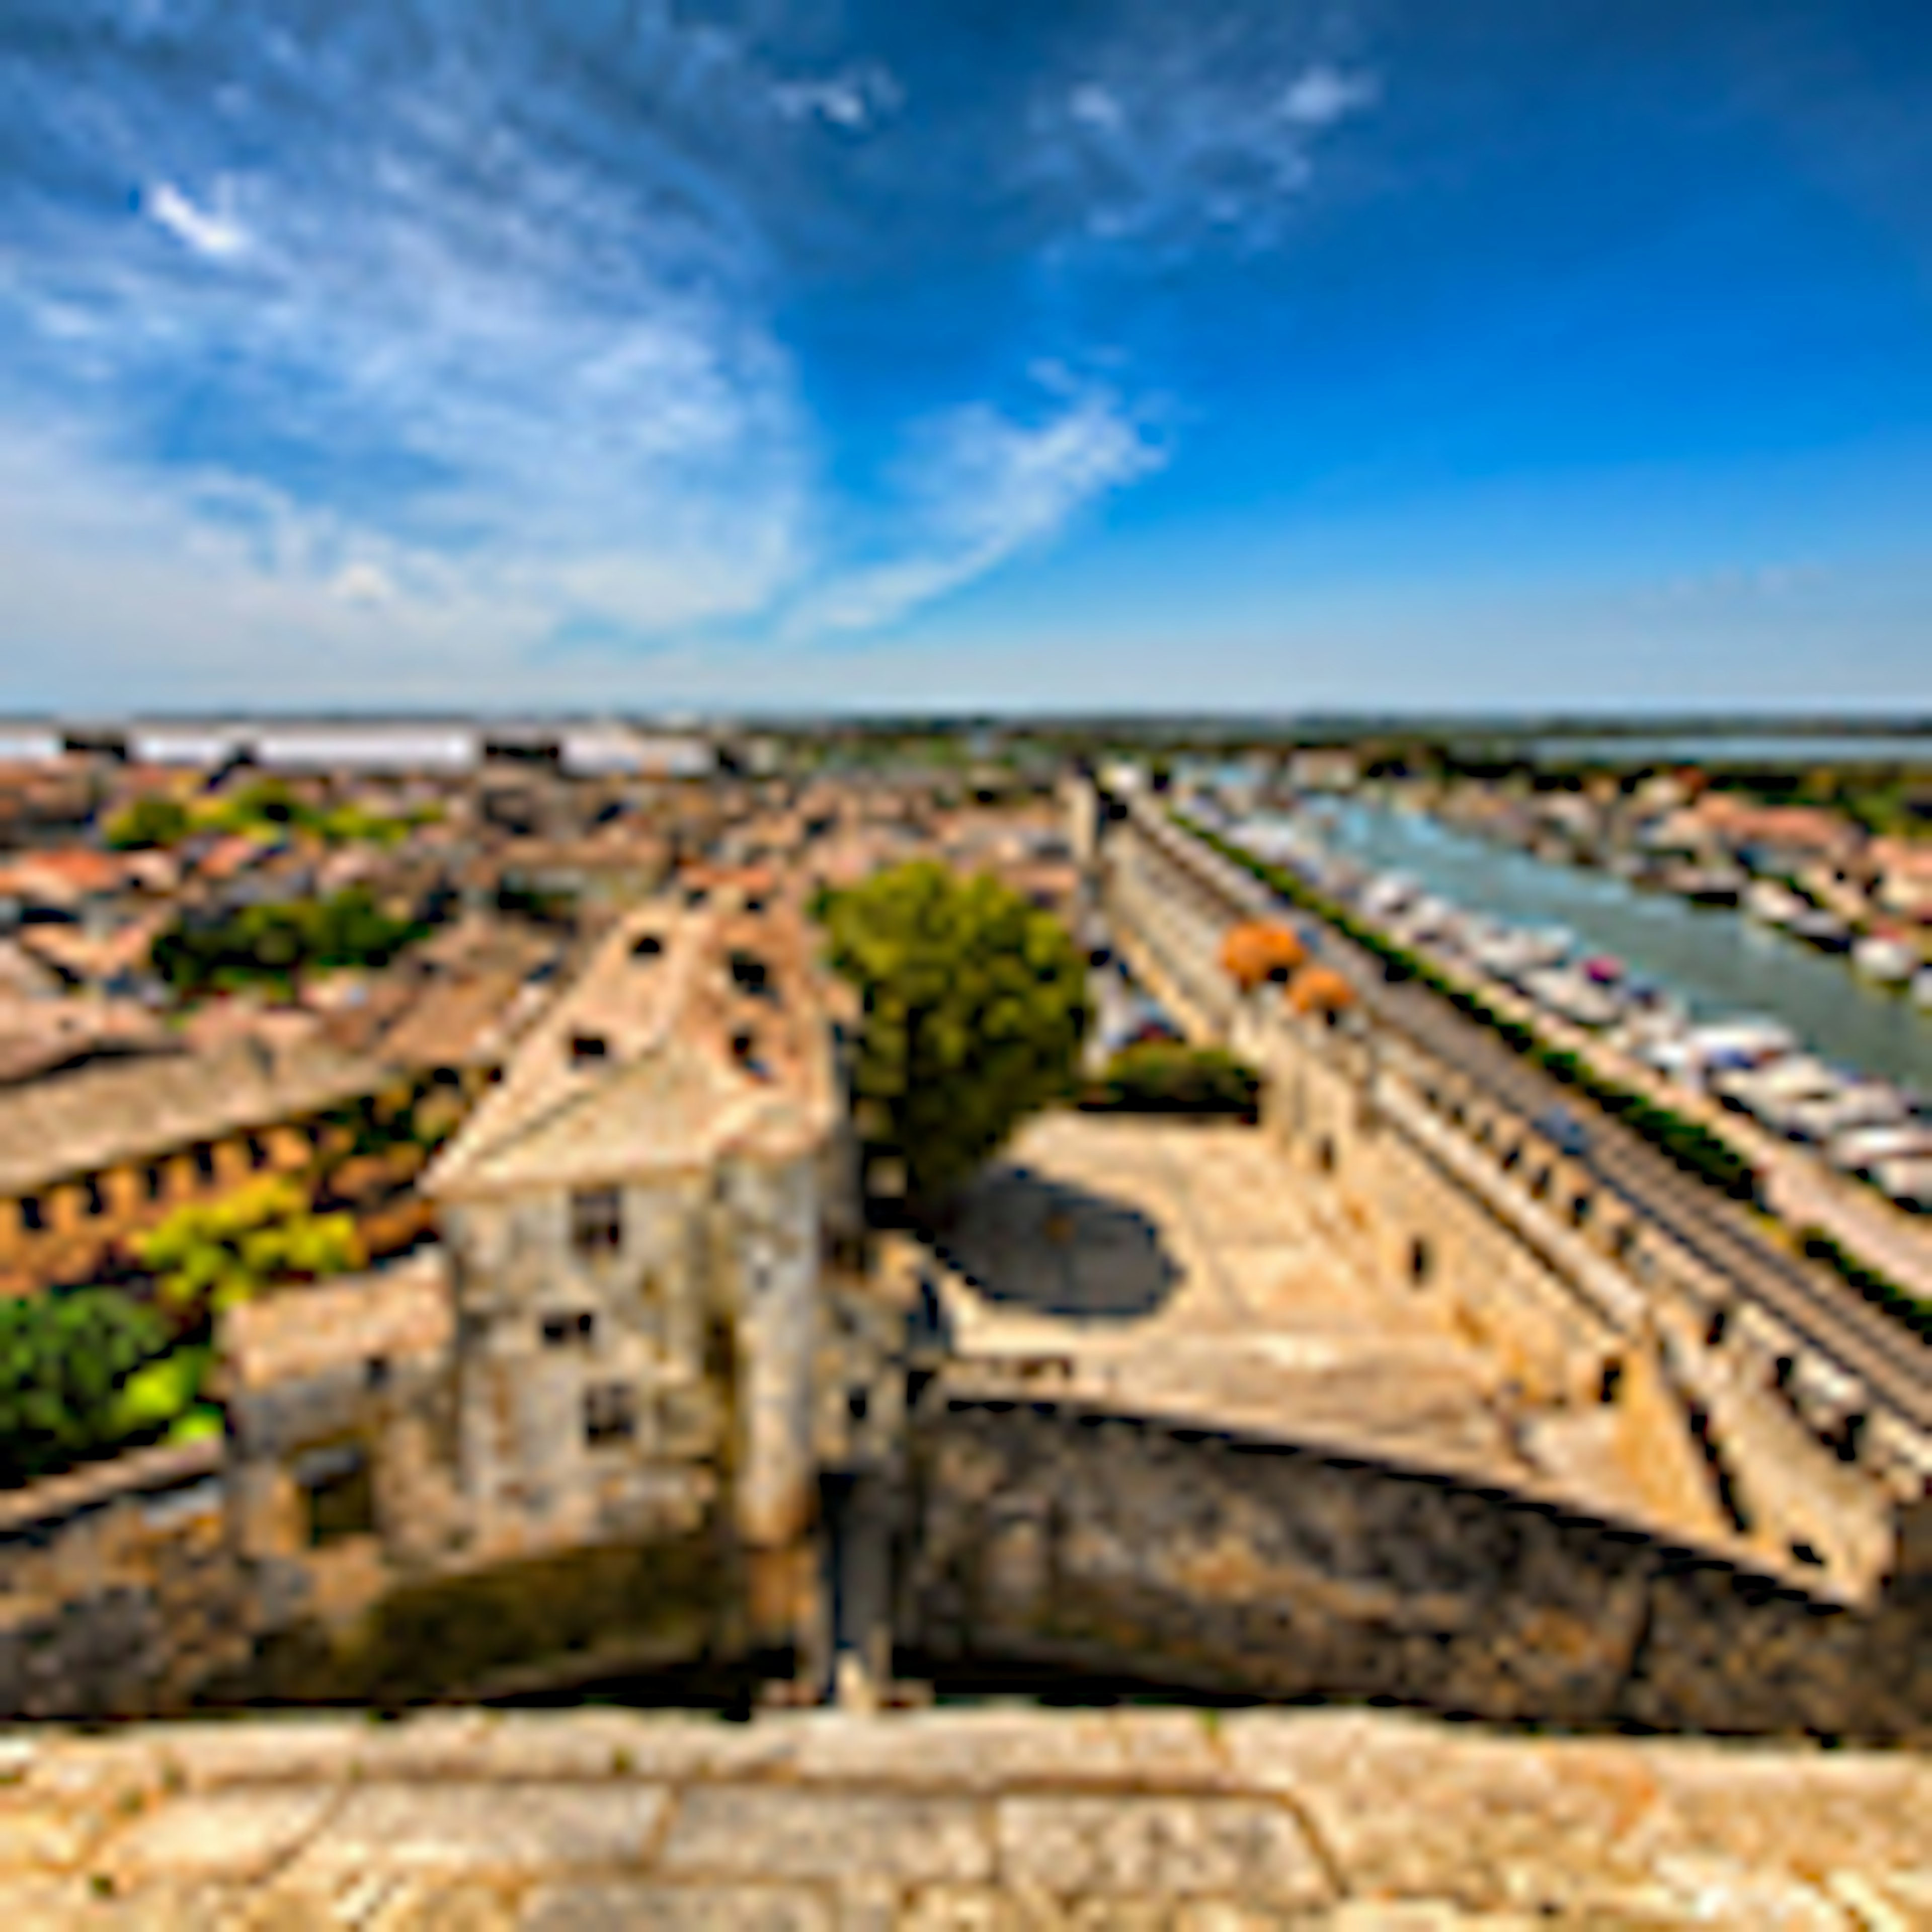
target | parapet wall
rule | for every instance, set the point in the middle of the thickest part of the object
(1006, 1820)
(1056, 1534)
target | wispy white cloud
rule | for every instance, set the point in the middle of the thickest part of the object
(485, 365)
(1322, 95)
(853, 99)
(981, 488)
(449, 364)
(1735, 584)
(208, 231)
(1183, 129)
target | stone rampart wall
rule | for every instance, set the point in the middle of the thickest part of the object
(1047, 1531)
(125, 1592)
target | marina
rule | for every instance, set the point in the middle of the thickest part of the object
(1818, 1049)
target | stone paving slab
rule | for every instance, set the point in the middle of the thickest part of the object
(993, 1820)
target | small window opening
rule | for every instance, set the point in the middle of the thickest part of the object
(1612, 1381)
(749, 974)
(376, 1373)
(1324, 1154)
(1420, 1260)
(1714, 1333)
(610, 1414)
(155, 1180)
(204, 1160)
(33, 1215)
(587, 1049)
(560, 1329)
(258, 1153)
(339, 1489)
(96, 1201)
(857, 1404)
(649, 946)
(1805, 1554)
(597, 1220)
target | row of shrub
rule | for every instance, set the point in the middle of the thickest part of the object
(1880, 1290)
(1690, 1145)
(1169, 1077)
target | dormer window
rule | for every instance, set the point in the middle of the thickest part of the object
(589, 1049)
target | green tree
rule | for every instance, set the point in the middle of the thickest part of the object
(281, 943)
(64, 1360)
(210, 1256)
(267, 806)
(148, 823)
(975, 1008)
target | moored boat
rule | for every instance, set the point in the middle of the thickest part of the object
(1824, 930)
(1775, 905)
(1889, 960)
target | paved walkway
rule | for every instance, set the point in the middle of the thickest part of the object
(1187, 1267)
(989, 1820)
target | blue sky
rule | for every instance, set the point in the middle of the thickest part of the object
(1380, 353)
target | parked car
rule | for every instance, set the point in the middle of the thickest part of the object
(1564, 1133)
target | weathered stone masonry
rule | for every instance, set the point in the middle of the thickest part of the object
(1057, 1533)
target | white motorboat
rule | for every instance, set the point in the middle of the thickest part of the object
(1388, 893)
(1857, 1150)
(1891, 961)
(1772, 1091)
(1746, 1041)
(1907, 1182)
(1571, 996)
(1775, 905)
(1865, 1103)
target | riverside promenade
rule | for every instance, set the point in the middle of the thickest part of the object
(991, 1818)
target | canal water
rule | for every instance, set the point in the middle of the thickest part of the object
(1717, 960)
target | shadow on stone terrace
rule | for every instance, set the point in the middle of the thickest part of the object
(1059, 1249)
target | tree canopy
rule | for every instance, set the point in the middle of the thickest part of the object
(272, 808)
(210, 1255)
(975, 1005)
(280, 942)
(147, 824)
(65, 1361)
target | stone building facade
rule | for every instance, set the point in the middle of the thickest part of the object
(636, 1221)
